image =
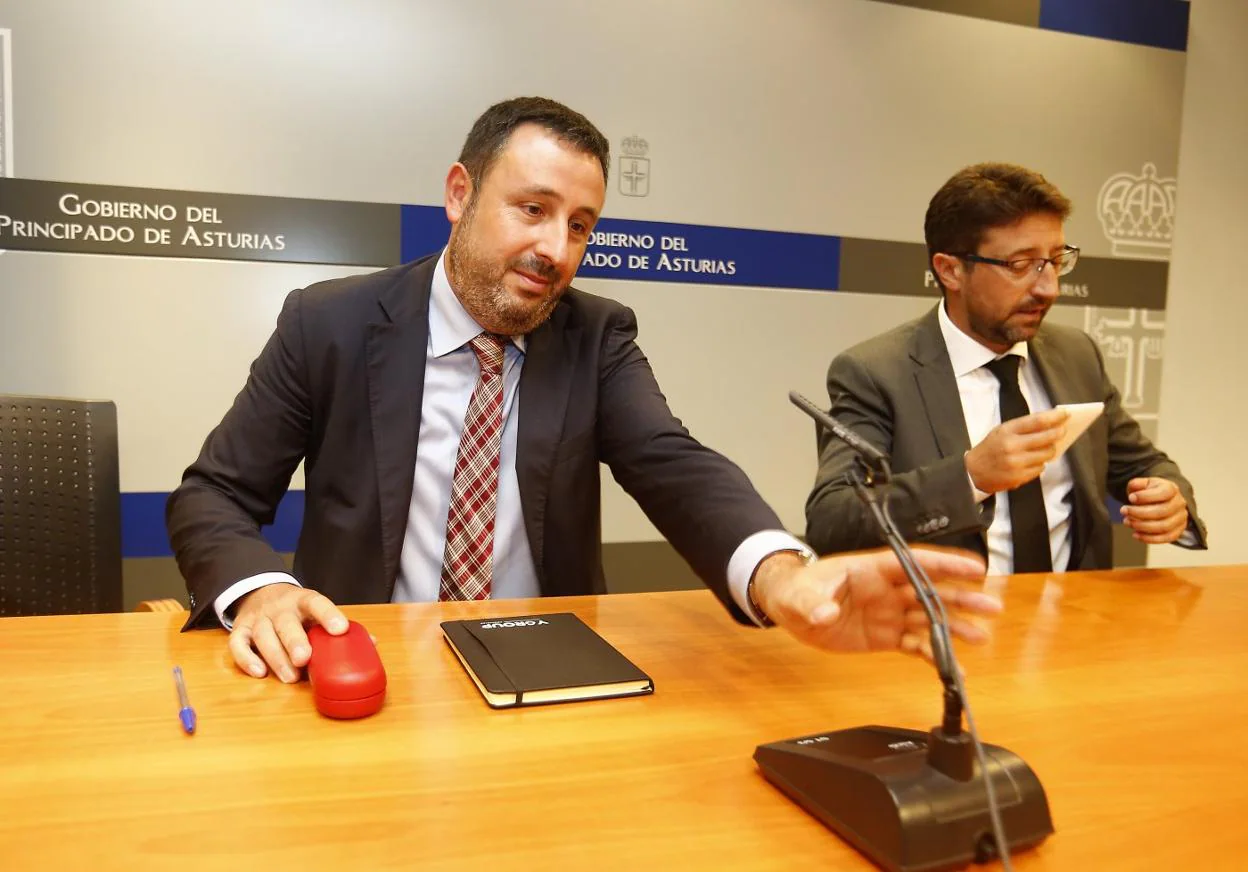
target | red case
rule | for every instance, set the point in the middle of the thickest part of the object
(348, 680)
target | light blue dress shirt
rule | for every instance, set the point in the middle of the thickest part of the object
(451, 372)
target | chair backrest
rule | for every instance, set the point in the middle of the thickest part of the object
(60, 507)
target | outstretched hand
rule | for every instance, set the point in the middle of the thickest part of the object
(863, 601)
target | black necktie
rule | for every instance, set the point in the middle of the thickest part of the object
(1028, 522)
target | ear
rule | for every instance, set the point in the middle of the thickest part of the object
(950, 270)
(458, 192)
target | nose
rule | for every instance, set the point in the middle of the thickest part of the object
(1047, 285)
(552, 244)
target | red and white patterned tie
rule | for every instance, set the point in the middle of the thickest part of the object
(467, 564)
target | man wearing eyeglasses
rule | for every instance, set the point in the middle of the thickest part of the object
(962, 403)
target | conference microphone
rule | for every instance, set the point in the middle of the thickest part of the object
(910, 800)
(873, 458)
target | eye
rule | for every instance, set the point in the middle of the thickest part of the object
(1022, 267)
(580, 228)
(531, 209)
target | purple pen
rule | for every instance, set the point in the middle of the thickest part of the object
(186, 714)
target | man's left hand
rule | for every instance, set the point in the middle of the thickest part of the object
(863, 601)
(1157, 513)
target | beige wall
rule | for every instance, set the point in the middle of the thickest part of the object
(1204, 416)
(826, 117)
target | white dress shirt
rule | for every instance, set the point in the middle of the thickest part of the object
(451, 372)
(979, 391)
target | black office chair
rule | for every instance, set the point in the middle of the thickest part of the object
(60, 507)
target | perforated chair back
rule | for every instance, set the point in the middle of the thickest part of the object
(60, 507)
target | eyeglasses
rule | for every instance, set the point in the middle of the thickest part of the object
(1023, 267)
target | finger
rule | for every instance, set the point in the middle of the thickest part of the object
(290, 632)
(916, 622)
(271, 649)
(1157, 490)
(1157, 539)
(1137, 484)
(1038, 442)
(1052, 419)
(1026, 465)
(1155, 511)
(318, 607)
(942, 563)
(810, 604)
(918, 644)
(244, 657)
(1158, 527)
(813, 595)
(822, 609)
(972, 601)
(970, 631)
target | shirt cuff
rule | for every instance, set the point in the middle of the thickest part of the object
(240, 589)
(745, 560)
(979, 495)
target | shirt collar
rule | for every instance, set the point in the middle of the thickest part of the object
(450, 325)
(967, 354)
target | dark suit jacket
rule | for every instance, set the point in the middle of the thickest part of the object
(339, 385)
(898, 391)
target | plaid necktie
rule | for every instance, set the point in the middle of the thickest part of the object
(467, 562)
(1029, 523)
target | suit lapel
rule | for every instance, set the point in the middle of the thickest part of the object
(396, 350)
(938, 388)
(933, 374)
(545, 386)
(1055, 373)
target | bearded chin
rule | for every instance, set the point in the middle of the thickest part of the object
(479, 286)
(513, 317)
(999, 332)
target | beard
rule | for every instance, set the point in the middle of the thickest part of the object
(1002, 331)
(478, 282)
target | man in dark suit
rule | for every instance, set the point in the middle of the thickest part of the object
(452, 414)
(969, 470)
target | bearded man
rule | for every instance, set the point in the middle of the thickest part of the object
(452, 415)
(963, 402)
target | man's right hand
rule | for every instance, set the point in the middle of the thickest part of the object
(1015, 452)
(269, 623)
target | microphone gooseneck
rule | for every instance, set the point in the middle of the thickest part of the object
(950, 751)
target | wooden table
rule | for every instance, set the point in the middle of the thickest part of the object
(1127, 692)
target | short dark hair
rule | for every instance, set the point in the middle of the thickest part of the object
(981, 197)
(490, 133)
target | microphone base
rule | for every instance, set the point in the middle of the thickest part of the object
(878, 789)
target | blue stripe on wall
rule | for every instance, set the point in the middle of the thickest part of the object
(143, 524)
(1160, 23)
(660, 251)
(422, 230)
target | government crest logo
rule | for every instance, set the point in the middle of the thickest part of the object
(1132, 341)
(634, 167)
(1137, 213)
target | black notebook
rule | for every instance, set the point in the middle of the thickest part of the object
(538, 659)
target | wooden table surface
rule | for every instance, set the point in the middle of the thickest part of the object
(1126, 691)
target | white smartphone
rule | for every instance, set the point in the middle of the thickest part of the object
(1081, 417)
